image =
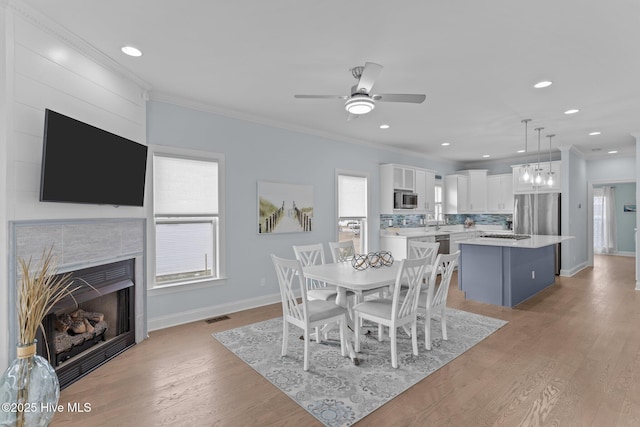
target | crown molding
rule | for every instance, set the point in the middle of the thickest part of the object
(572, 149)
(208, 108)
(41, 21)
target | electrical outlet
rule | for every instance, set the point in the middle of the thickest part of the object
(263, 281)
(533, 274)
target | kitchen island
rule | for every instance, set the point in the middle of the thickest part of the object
(507, 271)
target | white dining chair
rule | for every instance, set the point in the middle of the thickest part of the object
(399, 311)
(342, 251)
(433, 298)
(302, 312)
(313, 255)
(428, 250)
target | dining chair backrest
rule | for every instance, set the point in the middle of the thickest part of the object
(427, 250)
(310, 255)
(445, 264)
(405, 299)
(290, 279)
(342, 251)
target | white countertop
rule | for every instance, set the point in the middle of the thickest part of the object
(403, 233)
(534, 242)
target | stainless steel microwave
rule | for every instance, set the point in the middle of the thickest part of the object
(404, 200)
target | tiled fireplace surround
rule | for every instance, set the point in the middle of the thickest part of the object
(79, 244)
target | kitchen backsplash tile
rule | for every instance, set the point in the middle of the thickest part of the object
(412, 221)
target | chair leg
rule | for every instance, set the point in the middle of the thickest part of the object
(414, 337)
(306, 350)
(356, 319)
(427, 331)
(343, 336)
(381, 332)
(318, 340)
(394, 347)
(285, 337)
(443, 320)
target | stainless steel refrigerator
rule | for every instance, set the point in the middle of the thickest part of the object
(538, 214)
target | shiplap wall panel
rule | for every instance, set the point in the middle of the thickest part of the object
(49, 73)
(52, 80)
(41, 43)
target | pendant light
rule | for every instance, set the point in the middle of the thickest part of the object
(550, 173)
(525, 172)
(538, 179)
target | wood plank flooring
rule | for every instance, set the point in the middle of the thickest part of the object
(570, 356)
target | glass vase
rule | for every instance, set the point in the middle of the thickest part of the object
(29, 390)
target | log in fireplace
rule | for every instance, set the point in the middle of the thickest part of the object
(75, 352)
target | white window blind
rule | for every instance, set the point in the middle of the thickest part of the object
(185, 186)
(352, 196)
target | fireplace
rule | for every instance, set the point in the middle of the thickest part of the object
(97, 324)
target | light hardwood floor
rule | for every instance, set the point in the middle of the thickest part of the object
(570, 356)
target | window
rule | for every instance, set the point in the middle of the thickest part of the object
(438, 202)
(352, 209)
(186, 218)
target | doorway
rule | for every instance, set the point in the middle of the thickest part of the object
(612, 218)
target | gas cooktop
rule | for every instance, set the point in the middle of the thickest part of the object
(506, 236)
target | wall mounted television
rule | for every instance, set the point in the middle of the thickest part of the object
(84, 164)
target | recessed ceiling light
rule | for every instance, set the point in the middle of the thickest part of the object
(384, 126)
(594, 133)
(520, 151)
(544, 83)
(572, 111)
(613, 151)
(486, 155)
(131, 51)
(445, 144)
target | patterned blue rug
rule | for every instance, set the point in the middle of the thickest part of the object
(335, 391)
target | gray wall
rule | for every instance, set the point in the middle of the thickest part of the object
(256, 152)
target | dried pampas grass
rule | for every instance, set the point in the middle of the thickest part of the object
(38, 292)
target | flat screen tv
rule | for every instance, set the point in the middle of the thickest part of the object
(84, 164)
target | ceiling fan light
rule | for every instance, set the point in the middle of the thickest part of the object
(359, 105)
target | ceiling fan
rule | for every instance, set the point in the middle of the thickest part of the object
(361, 100)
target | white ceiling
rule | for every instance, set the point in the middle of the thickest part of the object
(476, 61)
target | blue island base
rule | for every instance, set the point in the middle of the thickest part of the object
(503, 275)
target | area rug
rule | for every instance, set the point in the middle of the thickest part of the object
(335, 391)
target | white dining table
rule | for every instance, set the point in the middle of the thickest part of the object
(345, 277)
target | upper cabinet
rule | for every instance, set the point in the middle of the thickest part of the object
(521, 187)
(500, 193)
(466, 192)
(455, 194)
(477, 191)
(406, 178)
(426, 190)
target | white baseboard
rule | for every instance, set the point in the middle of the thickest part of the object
(619, 253)
(205, 313)
(575, 270)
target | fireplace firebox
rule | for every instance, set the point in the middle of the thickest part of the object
(95, 325)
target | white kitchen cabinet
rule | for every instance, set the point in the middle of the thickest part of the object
(520, 187)
(399, 177)
(500, 193)
(426, 190)
(404, 178)
(477, 191)
(399, 245)
(455, 194)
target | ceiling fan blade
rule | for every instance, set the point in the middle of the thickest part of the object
(369, 76)
(400, 97)
(321, 96)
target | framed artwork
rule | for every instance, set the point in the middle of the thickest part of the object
(629, 207)
(284, 208)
